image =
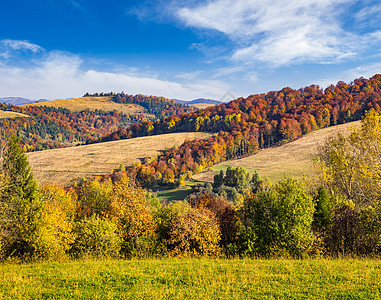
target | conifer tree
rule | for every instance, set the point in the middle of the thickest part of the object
(17, 171)
(19, 204)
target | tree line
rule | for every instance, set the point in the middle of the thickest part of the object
(160, 107)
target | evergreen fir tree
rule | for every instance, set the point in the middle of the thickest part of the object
(322, 215)
(19, 204)
(18, 172)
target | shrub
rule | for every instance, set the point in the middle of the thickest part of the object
(94, 198)
(194, 233)
(96, 237)
(226, 216)
(355, 232)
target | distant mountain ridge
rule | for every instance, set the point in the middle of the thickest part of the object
(19, 101)
(198, 101)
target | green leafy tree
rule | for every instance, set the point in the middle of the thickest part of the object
(278, 220)
(236, 176)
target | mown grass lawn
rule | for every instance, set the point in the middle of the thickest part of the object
(193, 279)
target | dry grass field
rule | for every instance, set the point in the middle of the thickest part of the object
(92, 103)
(202, 105)
(292, 159)
(11, 115)
(65, 165)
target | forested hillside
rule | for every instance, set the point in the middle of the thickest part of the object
(244, 125)
(48, 125)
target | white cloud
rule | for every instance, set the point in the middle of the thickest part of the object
(280, 32)
(58, 75)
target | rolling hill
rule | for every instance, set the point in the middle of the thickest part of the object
(93, 103)
(291, 159)
(11, 115)
(19, 100)
(65, 165)
(198, 101)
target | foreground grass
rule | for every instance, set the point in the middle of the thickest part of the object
(193, 279)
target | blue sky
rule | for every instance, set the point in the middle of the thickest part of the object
(184, 49)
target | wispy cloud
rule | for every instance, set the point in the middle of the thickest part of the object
(59, 74)
(280, 32)
(189, 75)
(9, 47)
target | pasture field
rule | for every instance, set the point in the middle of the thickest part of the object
(202, 105)
(93, 103)
(193, 279)
(11, 115)
(292, 159)
(67, 164)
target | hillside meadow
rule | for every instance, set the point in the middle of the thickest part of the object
(203, 105)
(193, 279)
(11, 115)
(291, 159)
(66, 164)
(92, 103)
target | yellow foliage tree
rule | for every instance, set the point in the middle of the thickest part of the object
(350, 164)
(132, 212)
(55, 234)
(194, 232)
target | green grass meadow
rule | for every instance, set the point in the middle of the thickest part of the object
(193, 279)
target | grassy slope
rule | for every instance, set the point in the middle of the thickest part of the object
(194, 279)
(202, 105)
(63, 165)
(292, 159)
(11, 115)
(92, 103)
